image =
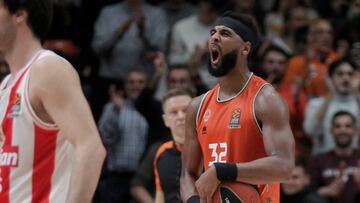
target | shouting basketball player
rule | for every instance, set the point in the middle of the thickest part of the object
(239, 130)
(52, 150)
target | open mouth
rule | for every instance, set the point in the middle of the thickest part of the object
(215, 55)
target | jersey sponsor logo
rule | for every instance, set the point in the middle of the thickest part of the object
(207, 115)
(235, 119)
(9, 156)
(204, 130)
(15, 106)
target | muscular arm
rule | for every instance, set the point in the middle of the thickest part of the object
(278, 141)
(55, 85)
(191, 155)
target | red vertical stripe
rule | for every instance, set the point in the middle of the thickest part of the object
(7, 125)
(5, 170)
(44, 164)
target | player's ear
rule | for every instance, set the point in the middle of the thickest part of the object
(21, 16)
(246, 49)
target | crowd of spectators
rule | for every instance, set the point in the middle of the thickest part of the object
(128, 53)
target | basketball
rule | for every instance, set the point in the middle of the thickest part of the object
(235, 192)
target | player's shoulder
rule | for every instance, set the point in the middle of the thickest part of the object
(269, 100)
(52, 66)
(196, 102)
(53, 72)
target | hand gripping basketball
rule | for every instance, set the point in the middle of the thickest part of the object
(236, 192)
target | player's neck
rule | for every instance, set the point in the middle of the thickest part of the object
(234, 81)
(22, 51)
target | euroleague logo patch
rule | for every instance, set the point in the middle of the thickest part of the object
(235, 119)
(15, 106)
(207, 115)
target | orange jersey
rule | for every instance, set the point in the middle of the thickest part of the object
(228, 131)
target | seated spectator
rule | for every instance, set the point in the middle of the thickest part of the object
(343, 96)
(298, 189)
(332, 173)
(124, 132)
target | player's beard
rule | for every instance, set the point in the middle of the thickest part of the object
(227, 63)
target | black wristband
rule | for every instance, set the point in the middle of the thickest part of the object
(226, 171)
(194, 199)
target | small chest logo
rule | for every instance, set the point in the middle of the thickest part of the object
(15, 106)
(207, 115)
(204, 130)
(235, 119)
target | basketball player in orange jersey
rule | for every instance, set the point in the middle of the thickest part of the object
(52, 150)
(239, 130)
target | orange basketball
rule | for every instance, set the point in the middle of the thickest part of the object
(236, 192)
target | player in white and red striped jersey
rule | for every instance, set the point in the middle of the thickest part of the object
(52, 151)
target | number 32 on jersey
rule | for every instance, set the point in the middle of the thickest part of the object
(218, 152)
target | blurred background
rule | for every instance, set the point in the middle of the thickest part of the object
(129, 53)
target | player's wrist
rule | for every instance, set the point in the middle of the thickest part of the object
(194, 199)
(226, 171)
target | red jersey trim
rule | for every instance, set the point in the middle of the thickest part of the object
(7, 125)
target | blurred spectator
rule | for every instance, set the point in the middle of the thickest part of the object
(189, 38)
(4, 67)
(251, 7)
(295, 18)
(176, 10)
(274, 20)
(309, 71)
(124, 131)
(150, 107)
(124, 32)
(355, 54)
(163, 80)
(180, 76)
(126, 36)
(274, 63)
(354, 9)
(332, 173)
(297, 189)
(320, 111)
